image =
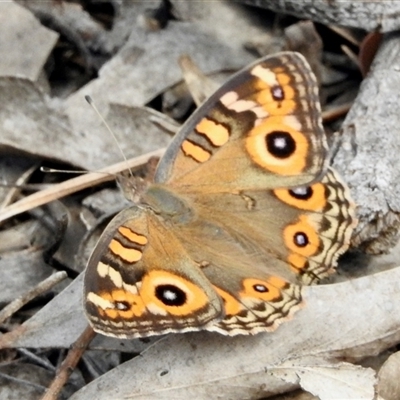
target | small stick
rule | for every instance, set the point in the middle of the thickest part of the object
(350, 53)
(42, 287)
(69, 364)
(36, 359)
(13, 193)
(22, 382)
(346, 34)
(336, 112)
(73, 185)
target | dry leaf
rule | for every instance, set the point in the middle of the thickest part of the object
(204, 364)
(21, 265)
(124, 80)
(389, 384)
(346, 321)
(18, 30)
(328, 380)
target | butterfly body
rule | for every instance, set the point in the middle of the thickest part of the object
(243, 211)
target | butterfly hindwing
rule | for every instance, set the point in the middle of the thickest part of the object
(136, 285)
(295, 233)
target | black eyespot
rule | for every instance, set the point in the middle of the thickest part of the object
(280, 144)
(300, 239)
(170, 295)
(302, 193)
(277, 93)
(122, 305)
(260, 288)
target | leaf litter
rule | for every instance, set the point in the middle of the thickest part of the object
(130, 67)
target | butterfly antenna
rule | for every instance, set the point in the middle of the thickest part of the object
(49, 170)
(91, 103)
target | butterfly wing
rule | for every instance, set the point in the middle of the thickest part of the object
(140, 281)
(242, 212)
(257, 247)
(257, 295)
(262, 129)
(252, 163)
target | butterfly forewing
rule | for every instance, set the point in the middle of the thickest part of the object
(261, 129)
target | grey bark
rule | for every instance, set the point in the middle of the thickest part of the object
(380, 15)
(369, 153)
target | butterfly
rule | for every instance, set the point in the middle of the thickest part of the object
(244, 210)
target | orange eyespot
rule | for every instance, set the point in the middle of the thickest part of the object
(268, 290)
(167, 292)
(278, 147)
(127, 305)
(311, 198)
(301, 237)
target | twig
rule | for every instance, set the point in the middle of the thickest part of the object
(42, 287)
(69, 364)
(346, 34)
(38, 360)
(73, 185)
(22, 382)
(336, 112)
(350, 53)
(13, 193)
